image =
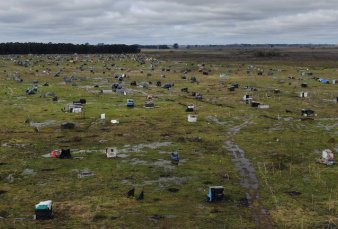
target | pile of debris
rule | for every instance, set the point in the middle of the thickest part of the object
(327, 158)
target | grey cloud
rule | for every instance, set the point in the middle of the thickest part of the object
(155, 22)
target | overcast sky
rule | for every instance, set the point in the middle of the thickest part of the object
(167, 22)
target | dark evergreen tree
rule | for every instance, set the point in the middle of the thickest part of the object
(65, 48)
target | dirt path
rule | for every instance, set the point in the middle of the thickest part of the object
(249, 179)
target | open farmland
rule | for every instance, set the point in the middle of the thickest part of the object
(265, 158)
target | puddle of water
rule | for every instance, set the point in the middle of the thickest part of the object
(42, 124)
(167, 181)
(9, 145)
(26, 172)
(138, 148)
(122, 155)
(215, 120)
(10, 178)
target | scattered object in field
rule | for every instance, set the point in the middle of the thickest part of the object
(107, 91)
(168, 85)
(276, 91)
(144, 85)
(334, 81)
(31, 91)
(111, 152)
(65, 154)
(44, 210)
(198, 96)
(324, 81)
(130, 103)
(141, 196)
(103, 116)
(23, 63)
(114, 121)
(307, 112)
(16, 77)
(216, 193)
(55, 99)
(55, 153)
(303, 85)
(149, 104)
(80, 101)
(231, 88)
(73, 108)
(77, 110)
(247, 99)
(193, 79)
(68, 125)
(235, 85)
(175, 159)
(131, 192)
(303, 94)
(184, 90)
(255, 104)
(223, 75)
(263, 106)
(327, 157)
(192, 118)
(85, 173)
(190, 108)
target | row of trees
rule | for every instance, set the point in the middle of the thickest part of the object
(64, 48)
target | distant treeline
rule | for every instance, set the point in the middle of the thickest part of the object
(153, 46)
(64, 48)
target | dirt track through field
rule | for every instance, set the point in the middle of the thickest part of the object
(249, 179)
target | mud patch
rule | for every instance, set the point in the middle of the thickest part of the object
(248, 180)
(244, 202)
(293, 193)
(47, 170)
(174, 190)
(155, 218)
(242, 164)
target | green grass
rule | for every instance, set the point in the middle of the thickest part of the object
(283, 152)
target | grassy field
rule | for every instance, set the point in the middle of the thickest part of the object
(231, 144)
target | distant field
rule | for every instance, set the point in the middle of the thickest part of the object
(264, 158)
